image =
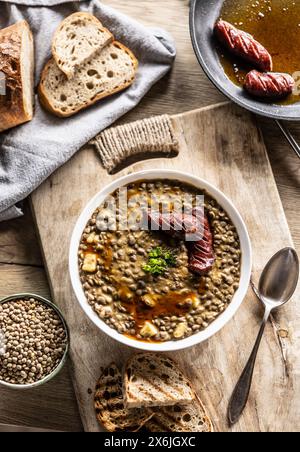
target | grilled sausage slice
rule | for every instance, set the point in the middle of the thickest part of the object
(243, 45)
(269, 85)
(195, 227)
(201, 255)
(182, 227)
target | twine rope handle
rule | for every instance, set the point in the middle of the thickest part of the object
(149, 136)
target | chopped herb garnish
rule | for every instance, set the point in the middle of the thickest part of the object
(159, 260)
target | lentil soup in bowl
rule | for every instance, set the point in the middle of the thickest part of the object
(160, 260)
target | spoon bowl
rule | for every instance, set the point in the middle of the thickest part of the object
(279, 279)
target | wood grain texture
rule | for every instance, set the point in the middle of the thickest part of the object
(286, 170)
(18, 242)
(22, 278)
(6, 428)
(50, 406)
(224, 146)
(185, 88)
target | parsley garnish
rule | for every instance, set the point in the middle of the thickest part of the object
(159, 260)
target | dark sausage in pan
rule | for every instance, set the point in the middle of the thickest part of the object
(243, 45)
(270, 85)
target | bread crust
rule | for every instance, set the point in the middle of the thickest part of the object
(46, 103)
(12, 106)
(207, 418)
(82, 15)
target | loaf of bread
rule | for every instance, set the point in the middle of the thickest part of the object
(16, 75)
(110, 71)
(154, 380)
(78, 38)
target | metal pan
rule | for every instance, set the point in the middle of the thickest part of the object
(203, 15)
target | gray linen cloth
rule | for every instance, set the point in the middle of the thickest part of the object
(31, 152)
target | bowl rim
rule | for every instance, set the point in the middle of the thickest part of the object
(56, 371)
(237, 220)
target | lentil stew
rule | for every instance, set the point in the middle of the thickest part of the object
(156, 306)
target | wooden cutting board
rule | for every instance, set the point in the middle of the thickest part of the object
(223, 145)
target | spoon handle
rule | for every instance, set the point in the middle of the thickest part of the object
(241, 392)
(291, 140)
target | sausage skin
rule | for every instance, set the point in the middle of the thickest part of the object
(271, 85)
(243, 45)
(200, 250)
(201, 254)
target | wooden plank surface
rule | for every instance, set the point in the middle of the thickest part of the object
(224, 146)
(184, 89)
(18, 243)
(50, 406)
(7, 428)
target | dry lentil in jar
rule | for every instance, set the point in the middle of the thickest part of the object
(161, 303)
(32, 342)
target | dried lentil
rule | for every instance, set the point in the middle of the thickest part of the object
(33, 341)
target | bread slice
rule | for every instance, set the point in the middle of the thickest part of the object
(109, 404)
(109, 72)
(152, 380)
(77, 39)
(17, 72)
(189, 417)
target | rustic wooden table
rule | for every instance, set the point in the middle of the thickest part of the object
(21, 268)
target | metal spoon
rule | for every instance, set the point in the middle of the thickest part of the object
(277, 285)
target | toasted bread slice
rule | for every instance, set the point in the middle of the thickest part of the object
(152, 380)
(190, 417)
(109, 72)
(109, 404)
(78, 38)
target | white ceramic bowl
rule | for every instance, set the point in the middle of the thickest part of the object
(238, 298)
